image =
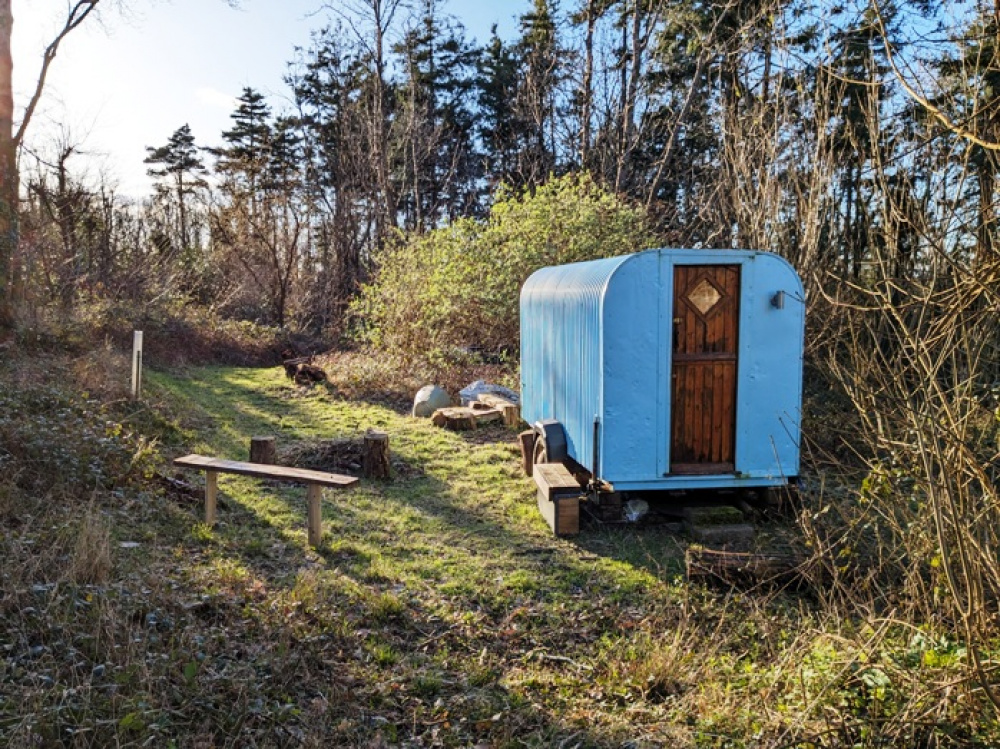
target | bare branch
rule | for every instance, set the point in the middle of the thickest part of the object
(939, 114)
(77, 15)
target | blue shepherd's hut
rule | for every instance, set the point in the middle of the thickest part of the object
(667, 369)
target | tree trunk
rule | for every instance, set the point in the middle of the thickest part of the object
(587, 86)
(8, 169)
(9, 141)
(986, 176)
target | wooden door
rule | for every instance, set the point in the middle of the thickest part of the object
(705, 336)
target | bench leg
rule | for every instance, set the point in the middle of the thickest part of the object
(314, 519)
(211, 490)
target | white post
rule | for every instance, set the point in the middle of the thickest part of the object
(136, 364)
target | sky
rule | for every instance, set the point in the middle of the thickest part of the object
(130, 77)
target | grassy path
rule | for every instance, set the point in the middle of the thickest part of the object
(445, 576)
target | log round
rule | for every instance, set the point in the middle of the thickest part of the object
(263, 450)
(375, 456)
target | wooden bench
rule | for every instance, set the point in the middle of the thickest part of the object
(558, 498)
(314, 481)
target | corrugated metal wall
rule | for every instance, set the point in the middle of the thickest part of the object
(561, 335)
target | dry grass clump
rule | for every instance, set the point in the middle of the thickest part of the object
(8, 501)
(90, 561)
(104, 373)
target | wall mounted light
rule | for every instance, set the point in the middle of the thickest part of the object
(778, 300)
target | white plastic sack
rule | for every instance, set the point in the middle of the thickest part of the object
(472, 392)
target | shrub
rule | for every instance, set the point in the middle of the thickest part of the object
(458, 287)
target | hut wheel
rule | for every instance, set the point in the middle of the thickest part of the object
(541, 452)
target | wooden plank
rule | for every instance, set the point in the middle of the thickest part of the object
(712, 356)
(314, 517)
(730, 389)
(554, 477)
(729, 433)
(558, 498)
(561, 513)
(261, 471)
(701, 469)
(746, 569)
(527, 441)
(705, 425)
(719, 425)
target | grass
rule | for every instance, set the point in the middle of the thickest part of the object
(438, 611)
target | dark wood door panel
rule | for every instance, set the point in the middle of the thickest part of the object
(705, 339)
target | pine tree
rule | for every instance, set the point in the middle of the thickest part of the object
(257, 220)
(498, 126)
(243, 160)
(180, 165)
(541, 72)
(436, 122)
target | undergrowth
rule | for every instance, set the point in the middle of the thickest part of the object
(437, 611)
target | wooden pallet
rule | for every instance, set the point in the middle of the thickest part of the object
(558, 498)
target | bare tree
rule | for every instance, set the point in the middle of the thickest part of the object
(10, 140)
(371, 21)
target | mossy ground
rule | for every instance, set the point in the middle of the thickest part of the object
(438, 611)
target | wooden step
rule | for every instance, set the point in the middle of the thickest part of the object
(555, 477)
(558, 498)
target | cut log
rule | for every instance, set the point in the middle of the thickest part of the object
(309, 374)
(510, 410)
(734, 537)
(263, 450)
(527, 441)
(463, 419)
(375, 455)
(746, 569)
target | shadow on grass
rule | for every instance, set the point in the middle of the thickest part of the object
(448, 575)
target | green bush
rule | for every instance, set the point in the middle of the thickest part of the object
(458, 287)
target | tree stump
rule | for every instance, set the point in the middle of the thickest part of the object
(263, 450)
(375, 455)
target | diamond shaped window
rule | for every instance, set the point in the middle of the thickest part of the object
(704, 296)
